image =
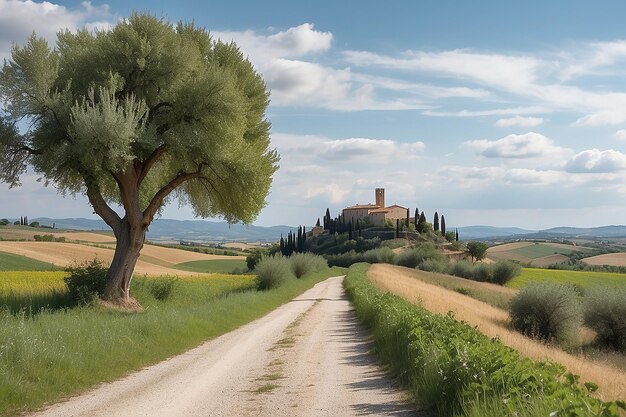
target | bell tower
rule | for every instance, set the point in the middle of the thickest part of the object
(380, 197)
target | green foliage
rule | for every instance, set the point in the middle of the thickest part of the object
(306, 263)
(86, 281)
(605, 312)
(455, 370)
(546, 311)
(48, 238)
(273, 271)
(34, 224)
(145, 94)
(222, 266)
(4, 222)
(477, 250)
(482, 272)
(450, 236)
(379, 255)
(162, 287)
(414, 258)
(463, 269)
(254, 258)
(504, 271)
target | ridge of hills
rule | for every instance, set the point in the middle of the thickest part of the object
(215, 231)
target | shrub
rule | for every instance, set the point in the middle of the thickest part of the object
(86, 281)
(482, 272)
(253, 258)
(546, 310)
(379, 256)
(304, 263)
(434, 265)
(605, 312)
(162, 288)
(504, 271)
(463, 269)
(272, 272)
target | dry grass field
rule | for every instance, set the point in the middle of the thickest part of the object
(154, 260)
(537, 254)
(494, 323)
(614, 259)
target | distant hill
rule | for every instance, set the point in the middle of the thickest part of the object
(491, 233)
(482, 232)
(187, 230)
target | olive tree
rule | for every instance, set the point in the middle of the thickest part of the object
(135, 116)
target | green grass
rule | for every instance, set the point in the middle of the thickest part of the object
(54, 354)
(582, 278)
(540, 250)
(222, 266)
(11, 262)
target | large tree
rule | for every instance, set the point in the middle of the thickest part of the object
(135, 116)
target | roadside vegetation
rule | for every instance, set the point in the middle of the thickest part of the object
(457, 371)
(44, 334)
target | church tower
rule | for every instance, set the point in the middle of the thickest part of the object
(380, 197)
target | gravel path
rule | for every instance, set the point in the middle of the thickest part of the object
(309, 357)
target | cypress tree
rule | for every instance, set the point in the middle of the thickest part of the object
(282, 245)
(21, 221)
(436, 222)
(443, 226)
(303, 239)
(457, 235)
(407, 219)
(421, 223)
(397, 228)
(417, 216)
(318, 222)
(299, 239)
(350, 230)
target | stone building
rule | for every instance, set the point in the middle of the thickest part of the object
(375, 214)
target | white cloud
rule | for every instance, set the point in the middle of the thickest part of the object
(533, 176)
(520, 121)
(18, 19)
(528, 145)
(620, 134)
(293, 42)
(591, 58)
(491, 69)
(490, 112)
(596, 161)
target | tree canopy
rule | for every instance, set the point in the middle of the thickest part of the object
(137, 115)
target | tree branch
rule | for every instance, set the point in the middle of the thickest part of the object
(101, 207)
(149, 163)
(157, 200)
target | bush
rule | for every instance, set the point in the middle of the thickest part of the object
(379, 256)
(272, 272)
(434, 265)
(463, 269)
(605, 312)
(546, 310)
(86, 282)
(482, 272)
(162, 288)
(304, 263)
(504, 271)
(254, 258)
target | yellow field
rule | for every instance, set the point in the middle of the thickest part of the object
(493, 322)
(30, 282)
(614, 259)
(154, 260)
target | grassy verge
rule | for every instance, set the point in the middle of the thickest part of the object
(455, 370)
(53, 354)
(582, 278)
(11, 262)
(222, 266)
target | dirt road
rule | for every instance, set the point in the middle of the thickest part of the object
(309, 357)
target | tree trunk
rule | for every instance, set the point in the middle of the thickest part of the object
(129, 242)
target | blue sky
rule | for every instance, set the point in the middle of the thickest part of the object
(491, 112)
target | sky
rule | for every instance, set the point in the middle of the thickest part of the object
(493, 112)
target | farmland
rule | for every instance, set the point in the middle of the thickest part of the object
(12, 262)
(536, 254)
(613, 259)
(581, 278)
